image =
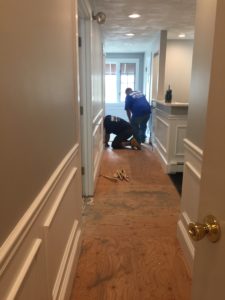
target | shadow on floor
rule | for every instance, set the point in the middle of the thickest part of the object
(177, 181)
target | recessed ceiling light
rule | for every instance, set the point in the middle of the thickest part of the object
(129, 34)
(182, 35)
(134, 16)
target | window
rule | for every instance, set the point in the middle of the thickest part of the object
(120, 74)
(127, 77)
(110, 83)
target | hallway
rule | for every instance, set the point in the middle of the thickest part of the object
(129, 249)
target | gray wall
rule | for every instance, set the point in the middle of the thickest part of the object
(37, 120)
(178, 68)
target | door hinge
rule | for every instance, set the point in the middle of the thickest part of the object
(79, 41)
(81, 110)
(82, 170)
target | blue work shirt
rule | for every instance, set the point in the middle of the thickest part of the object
(137, 103)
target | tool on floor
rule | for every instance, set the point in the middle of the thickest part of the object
(110, 178)
(120, 174)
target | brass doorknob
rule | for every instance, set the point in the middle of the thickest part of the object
(211, 228)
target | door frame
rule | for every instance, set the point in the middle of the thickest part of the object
(85, 85)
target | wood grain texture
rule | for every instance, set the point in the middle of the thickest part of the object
(129, 249)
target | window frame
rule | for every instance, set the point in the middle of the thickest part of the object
(117, 62)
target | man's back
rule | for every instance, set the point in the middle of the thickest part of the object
(115, 125)
(137, 103)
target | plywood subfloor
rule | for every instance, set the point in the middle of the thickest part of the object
(130, 250)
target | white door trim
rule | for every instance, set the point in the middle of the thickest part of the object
(85, 16)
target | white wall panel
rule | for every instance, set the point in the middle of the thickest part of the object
(169, 132)
(98, 143)
(190, 196)
(179, 140)
(38, 257)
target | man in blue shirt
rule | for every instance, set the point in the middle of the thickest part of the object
(138, 111)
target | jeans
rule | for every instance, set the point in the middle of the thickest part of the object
(139, 125)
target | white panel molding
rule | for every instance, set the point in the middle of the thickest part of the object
(166, 133)
(177, 117)
(193, 170)
(195, 150)
(160, 144)
(185, 241)
(20, 231)
(169, 125)
(98, 117)
(66, 265)
(97, 126)
(164, 163)
(162, 121)
(60, 197)
(189, 201)
(24, 270)
(177, 140)
(70, 268)
(170, 117)
(98, 146)
(97, 164)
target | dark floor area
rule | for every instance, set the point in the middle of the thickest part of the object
(177, 179)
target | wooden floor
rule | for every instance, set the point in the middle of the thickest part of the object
(130, 250)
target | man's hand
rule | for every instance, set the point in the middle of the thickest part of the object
(128, 114)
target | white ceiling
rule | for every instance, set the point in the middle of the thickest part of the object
(175, 16)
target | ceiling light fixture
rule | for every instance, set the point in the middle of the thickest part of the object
(134, 16)
(129, 34)
(181, 35)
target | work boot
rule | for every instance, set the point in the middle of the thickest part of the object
(134, 144)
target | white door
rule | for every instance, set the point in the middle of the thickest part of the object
(209, 260)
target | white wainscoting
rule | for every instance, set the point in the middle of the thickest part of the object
(97, 143)
(39, 257)
(190, 198)
(162, 135)
(169, 133)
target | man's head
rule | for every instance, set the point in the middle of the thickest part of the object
(128, 91)
(106, 121)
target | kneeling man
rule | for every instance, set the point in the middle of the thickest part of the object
(123, 131)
